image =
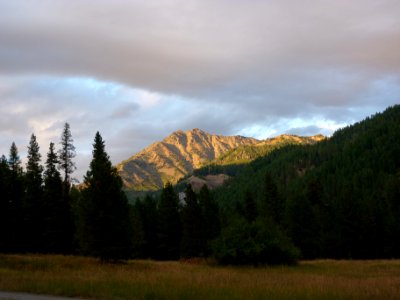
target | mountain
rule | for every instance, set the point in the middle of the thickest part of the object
(181, 153)
(174, 157)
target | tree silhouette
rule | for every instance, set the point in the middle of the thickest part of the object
(147, 211)
(67, 166)
(211, 216)
(104, 227)
(58, 232)
(250, 207)
(33, 200)
(4, 205)
(193, 238)
(169, 224)
(66, 154)
(15, 185)
(272, 204)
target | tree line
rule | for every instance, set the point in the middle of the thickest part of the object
(35, 204)
(43, 212)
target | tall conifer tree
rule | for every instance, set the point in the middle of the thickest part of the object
(33, 199)
(15, 195)
(104, 229)
(193, 236)
(58, 231)
(4, 174)
(14, 160)
(169, 224)
(67, 166)
(147, 210)
(250, 207)
(4, 205)
(210, 210)
(66, 155)
(272, 204)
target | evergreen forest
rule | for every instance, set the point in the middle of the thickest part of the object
(338, 198)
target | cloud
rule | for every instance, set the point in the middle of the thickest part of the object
(138, 70)
(197, 48)
(305, 131)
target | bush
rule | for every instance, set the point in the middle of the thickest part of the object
(256, 243)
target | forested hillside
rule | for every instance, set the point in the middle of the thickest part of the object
(337, 198)
(233, 160)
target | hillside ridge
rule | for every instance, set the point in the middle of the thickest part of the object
(177, 155)
(174, 157)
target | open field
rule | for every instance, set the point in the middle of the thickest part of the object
(86, 277)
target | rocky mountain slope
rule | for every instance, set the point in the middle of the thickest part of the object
(182, 152)
(174, 157)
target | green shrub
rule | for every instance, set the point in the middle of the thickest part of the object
(256, 243)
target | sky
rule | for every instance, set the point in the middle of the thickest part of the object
(138, 70)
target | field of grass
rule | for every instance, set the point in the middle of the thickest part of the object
(86, 277)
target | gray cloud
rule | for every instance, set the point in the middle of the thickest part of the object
(196, 48)
(125, 110)
(137, 70)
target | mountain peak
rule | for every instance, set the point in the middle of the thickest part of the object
(194, 131)
(176, 156)
(184, 151)
(197, 130)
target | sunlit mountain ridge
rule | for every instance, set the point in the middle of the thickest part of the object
(179, 154)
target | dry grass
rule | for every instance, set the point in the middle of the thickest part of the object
(86, 277)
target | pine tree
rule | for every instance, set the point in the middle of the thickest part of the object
(303, 226)
(210, 210)
(138, 234)
(392, 195)
(34, 170)
(272, 204)
(104, 229)
(51, 174)
(66, 154)
(169, 225)
(58, 232)
(15, 191)
(33, 200)
(67, 166)
(193, 237)
(14, 160)
(250, 207)
(4, 205)
(147, 209)
(4, 170)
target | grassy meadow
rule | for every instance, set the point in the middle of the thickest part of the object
(141, 279)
